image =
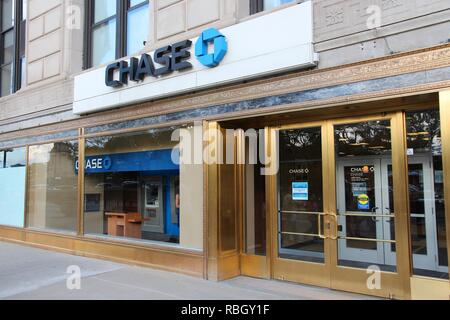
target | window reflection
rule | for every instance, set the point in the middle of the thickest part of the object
(12, 187)
(426, 193)
(104, 43)
(365, 214)
(137, 192)
(301, 195)
(138, 26)
(364, 139)
(13, 158)
(271, 4)
(52, 186)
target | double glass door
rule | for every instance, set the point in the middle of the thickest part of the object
(365, 210)
(342, 211)
(364, 214)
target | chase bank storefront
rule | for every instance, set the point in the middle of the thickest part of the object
(231, 153)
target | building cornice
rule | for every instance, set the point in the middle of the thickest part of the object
(385, 67)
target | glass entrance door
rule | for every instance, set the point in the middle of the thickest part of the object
(367, 200)
(332, 219)
(422, 213)
(300, 207)
(366, 220)
(361, 212)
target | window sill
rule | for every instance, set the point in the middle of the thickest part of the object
(142, 243)
(111, 240)
(52, 231)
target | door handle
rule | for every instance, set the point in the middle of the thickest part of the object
(332, 227)
(374, 209)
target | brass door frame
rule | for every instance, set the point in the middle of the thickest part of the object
(444, 107)
(393, 284)
(329, 274)
(311, 273)
(426, 287)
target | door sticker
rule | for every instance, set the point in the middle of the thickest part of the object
(300, 191)
(359, 188)
(363, 202)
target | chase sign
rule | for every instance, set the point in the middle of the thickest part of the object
(254, 48)
(171, 58)
(220, 48)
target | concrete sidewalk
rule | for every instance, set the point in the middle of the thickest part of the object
(30, 273)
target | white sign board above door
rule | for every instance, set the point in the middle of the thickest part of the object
(273, 43)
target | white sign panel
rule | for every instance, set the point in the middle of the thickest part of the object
(280, 41)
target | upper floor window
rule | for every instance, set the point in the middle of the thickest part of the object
(116, 29)
(12, 45)
(262, 5)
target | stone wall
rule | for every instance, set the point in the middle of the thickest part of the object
(343, 35)
(55, 49)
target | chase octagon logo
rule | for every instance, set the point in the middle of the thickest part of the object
(211, 36)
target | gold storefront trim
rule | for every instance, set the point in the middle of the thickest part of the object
(420, 60)
(178, 260)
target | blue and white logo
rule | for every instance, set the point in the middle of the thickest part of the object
(213, 59)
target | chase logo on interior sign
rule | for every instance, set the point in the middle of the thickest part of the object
(220, 48)
(171, 58)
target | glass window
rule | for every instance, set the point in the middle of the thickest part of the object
(426, 194)
(6, 80)
(104, 43)
(10, 73)
(53, 186)
(137, 26)
(262, 5)
(366, 215)
(7, 14)
(13, 158)
(7, 55)
(104, 9)
(300, 188)
(270, 4)
(12, 187)
(8, 47)
(134, 188)
(108, 40)
(136, 2)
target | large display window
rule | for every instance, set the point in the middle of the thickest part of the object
(53, 186)
(12, 187)
(137, 189)
(426, 194)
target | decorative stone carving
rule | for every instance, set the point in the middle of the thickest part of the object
(428, 59)
(335, 15)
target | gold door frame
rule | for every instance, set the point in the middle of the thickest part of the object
(329, 274)
(393, 284)
(311, 273)
(401, 284)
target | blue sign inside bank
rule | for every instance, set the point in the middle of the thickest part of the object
(134, 195)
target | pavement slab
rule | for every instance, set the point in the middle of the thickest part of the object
(28, 273)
